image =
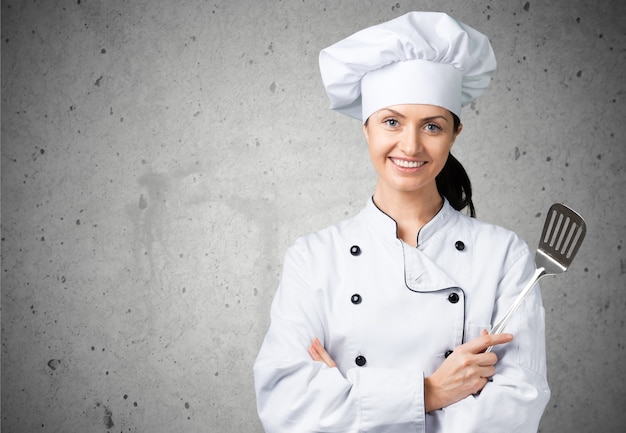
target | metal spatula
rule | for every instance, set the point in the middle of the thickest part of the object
(563, 233)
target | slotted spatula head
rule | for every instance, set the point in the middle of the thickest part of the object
(562, 235)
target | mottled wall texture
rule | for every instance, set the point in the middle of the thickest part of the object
(159, 157)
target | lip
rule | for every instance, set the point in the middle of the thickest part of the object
(407, 165)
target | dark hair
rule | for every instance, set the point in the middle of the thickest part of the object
(453, 183)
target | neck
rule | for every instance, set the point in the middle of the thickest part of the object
(411, 210)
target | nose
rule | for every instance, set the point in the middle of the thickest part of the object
(411, 143)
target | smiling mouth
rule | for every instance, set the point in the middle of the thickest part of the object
(407, 164)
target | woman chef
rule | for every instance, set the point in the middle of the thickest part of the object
(378, 323)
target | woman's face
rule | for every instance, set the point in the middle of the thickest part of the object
(409, 145)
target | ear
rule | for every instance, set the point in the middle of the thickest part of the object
(366, 132)
(456, 134)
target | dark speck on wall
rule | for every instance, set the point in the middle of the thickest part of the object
(526, 6)
(108, 418)
(54, 364)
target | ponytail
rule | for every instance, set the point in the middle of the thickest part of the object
(454, 184)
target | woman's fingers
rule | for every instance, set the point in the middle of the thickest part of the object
(486, 371)
(465, 372)
(314, 355)
(485, 340)
(318, 353)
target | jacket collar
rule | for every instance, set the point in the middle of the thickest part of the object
(386, 227)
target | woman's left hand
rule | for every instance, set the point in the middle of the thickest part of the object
(318, 353)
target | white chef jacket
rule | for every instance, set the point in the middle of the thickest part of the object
(388, 314)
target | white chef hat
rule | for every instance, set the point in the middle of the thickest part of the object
(418, 58)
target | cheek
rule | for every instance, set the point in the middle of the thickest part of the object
(445, 151)
(442, 158)
(373, 147)
(443, 147)
(379, 143)
(378, 156)
(375, 157)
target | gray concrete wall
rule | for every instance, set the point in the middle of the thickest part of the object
(159, 157)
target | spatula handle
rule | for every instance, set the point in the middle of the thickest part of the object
(499, 327)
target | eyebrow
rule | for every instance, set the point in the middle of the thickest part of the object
(426, 119)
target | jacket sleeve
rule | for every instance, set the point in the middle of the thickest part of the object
(516, 397)
(296, 394)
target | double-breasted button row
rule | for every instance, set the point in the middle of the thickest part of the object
(355, 250)
(453, 298)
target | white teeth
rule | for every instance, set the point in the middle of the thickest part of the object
(408, 164)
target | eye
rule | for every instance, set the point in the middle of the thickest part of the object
(391, 122)
(433, 127)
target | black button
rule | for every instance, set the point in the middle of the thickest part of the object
(355, 250)
(448, 353)
(453, 298)
(360, 361)
(459, 245)
(356, 299)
